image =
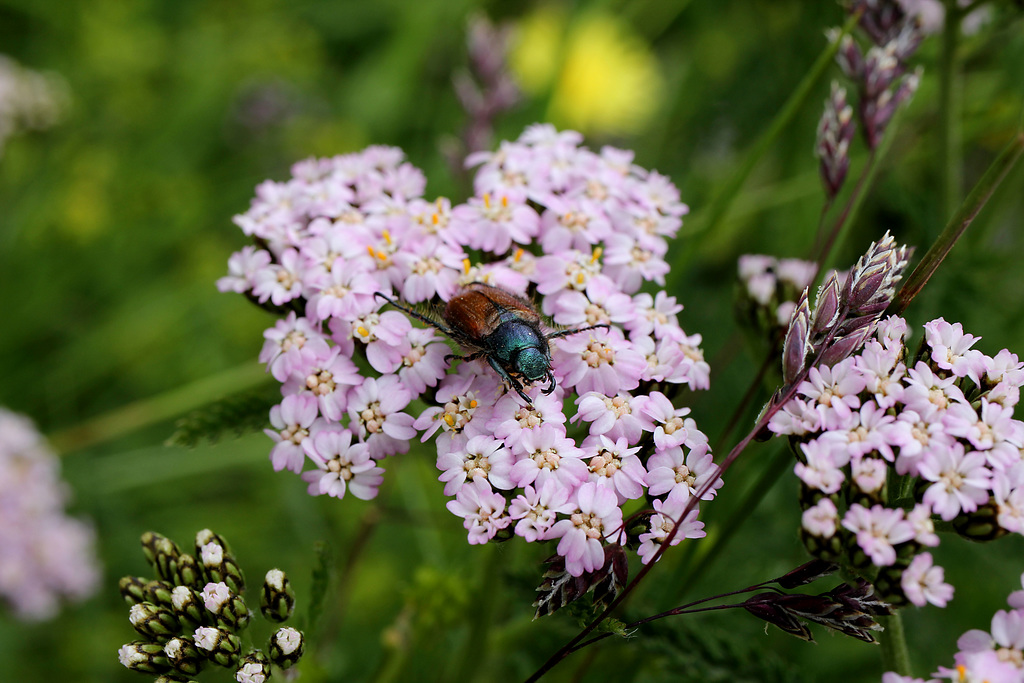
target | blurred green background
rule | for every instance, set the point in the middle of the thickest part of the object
(115, 224)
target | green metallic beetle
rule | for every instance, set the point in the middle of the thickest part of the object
(503, 328)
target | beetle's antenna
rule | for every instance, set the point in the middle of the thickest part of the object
(566, 333)
(414, 313)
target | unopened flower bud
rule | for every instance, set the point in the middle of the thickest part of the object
(153, 621)
(980, 525)
(797, 344)
(162, 553)
(882, 20)
(133, 589)
(218, 645)
(286, 647)
(152, 542)
(826, 309)
(254, 668)
(277, 600)
(218, 565)
(843, 346)
(159, 592)
(183, 656)
(143, 656)
(188, 572)
(835, 133)
(206, 536)
(226, 605)
(850, 59)
(188, 606)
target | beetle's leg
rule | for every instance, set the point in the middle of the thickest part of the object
(551, 384)
(513, 382)
(419, 316)
(473, 356)
(566, 333)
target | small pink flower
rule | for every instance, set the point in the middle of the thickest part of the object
(658, 415)
(290, 343)
(328, 378)
(951, 349)
(280, 282)
(386, 338)
(483, 457)
(961, 481)
(614, 417)
(536, 510)
(669, 512)
(923, 582)
(432, 267)
(655, 317)
(616, 467)
(545, 453)
(821, 519)
(511, 418)
(481, 509)
(242, 267)
(494, 222)
(215, 595)
(374, 410)
(673, 468)
(341, 466)
(878, 529)
(291, 421)
(423, 365)
(597, 517)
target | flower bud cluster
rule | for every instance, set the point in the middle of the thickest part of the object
(194, 613)
(844, 313)
(29, 100)
(942, 419)
(881, 73)
(580, 230)
(45, 556)
(995, 656)
(835, 133)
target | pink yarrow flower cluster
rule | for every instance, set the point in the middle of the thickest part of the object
(944, 418)
(993, 656)
(46, 556)
(581, 231)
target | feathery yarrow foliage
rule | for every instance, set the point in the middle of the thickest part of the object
(46, 556)
(194, 613)
(576, 231)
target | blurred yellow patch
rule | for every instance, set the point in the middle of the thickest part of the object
(604, 78)
(86, 209)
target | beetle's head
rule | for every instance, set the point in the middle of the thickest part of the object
(533, 364)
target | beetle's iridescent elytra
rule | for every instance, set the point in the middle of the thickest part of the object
(502, 327)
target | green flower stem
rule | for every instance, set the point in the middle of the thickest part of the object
(128, 418)
(895, 656)
(723, 202)
(963, 217)
(949, 111)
